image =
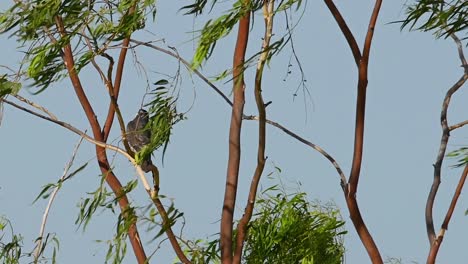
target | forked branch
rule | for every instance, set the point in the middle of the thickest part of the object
(362, 63)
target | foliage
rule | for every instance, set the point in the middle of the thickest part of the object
(8, 87)
(289, 229)
(286, 228)
(163, 116)
(90, 25)
(461, 154)
(11, 251)
(444, 17)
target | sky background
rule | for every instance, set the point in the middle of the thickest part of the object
(409, 74)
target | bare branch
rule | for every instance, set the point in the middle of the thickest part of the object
(460, 52)
(268, 13)
(431, 258)
(187, 64)
(38, 250)
(440, 158)
(350, 191)
(433, 240)
(43, 109)
(308, 143)
(459, 125)
(345, 30)
(232, 176)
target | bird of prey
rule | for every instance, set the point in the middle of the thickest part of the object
(138, 136)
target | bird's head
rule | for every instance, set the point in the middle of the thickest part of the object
(142, 113)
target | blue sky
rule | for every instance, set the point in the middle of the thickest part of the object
(409, 73)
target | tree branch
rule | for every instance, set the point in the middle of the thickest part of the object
(234, 136)
(440, 237)
(345, 30)
(101, 154)
(39, 249)
(335, 164)
(362, 63)
(443, 146)
(268, 13)
(114, 92)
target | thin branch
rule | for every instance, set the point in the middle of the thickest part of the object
(39, 250)
(308, 143)
(440, 158)
(268, 13)
(114, 93)
(187, 64)
(461, 55)
(442, 149)
(440, 237)
(88, 138)
(459, 125)
(167, 228)
(43, 109)
(345, 30)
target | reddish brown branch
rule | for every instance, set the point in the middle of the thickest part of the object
(167, 223)
(115, 90)
(345, 30)
(234, 137)
(111, 179)
(362, 62)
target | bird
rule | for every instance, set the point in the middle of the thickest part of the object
(138, 136)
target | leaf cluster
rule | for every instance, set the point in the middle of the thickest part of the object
(444, 17)
(163, 116)
(11, 249)
(289, 229)
(461, 155)
(286, 228)
(8, 87)
(89, 25)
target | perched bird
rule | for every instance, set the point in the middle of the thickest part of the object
(138, 136)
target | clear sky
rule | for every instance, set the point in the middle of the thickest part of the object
(409, 73)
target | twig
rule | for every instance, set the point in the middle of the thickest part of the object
(38, 250)
(41, 108)
(461, 124)
(308, 143)
(187, 64)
